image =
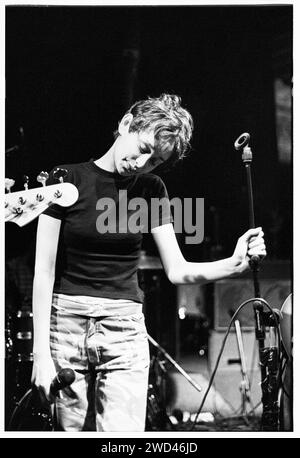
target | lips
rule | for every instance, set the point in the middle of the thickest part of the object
(129, 166)
(125, 170)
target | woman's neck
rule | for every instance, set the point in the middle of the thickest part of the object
(106, 162)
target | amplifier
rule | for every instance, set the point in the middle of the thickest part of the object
(228, 379)
(229, 294)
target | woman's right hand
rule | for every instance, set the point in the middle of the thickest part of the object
(43, 373)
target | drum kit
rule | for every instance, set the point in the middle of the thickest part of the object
(18, 348)
(18, 357)
(19, 334)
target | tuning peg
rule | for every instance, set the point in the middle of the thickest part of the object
(25, 182)
(42, 178)
(9, 183)
(22, 201)
(57, 194)
(17, 210)
(39, 197)
(60, 174)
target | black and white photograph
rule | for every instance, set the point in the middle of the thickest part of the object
(148, 221)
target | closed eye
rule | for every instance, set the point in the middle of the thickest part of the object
(153, 160)
(145, 149)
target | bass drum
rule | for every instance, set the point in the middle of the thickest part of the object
(286, 391)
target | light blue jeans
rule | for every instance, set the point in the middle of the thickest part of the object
(105, 342)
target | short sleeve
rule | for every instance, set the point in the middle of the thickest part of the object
(160, 208)
(56, 211)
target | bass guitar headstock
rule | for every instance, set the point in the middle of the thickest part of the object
(24, 206)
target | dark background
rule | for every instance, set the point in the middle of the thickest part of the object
(71, 72)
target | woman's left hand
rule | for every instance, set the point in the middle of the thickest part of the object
(249, 244)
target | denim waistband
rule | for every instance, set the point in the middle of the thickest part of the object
(95, 306)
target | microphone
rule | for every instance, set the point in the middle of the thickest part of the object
(64, 378)
(241, 143)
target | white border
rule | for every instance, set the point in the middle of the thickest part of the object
(177, 434)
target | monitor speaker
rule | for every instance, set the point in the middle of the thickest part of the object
(183, 396)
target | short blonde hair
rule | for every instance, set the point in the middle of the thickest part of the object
(172, 124)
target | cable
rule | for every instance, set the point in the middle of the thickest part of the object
(223, 345)
(26, 398)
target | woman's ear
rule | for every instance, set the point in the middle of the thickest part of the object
(125, 123)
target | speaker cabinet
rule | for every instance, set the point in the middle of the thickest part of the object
(228, 379)
(183, 396)
(229, 294)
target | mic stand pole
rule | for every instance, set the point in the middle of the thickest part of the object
(268, 356)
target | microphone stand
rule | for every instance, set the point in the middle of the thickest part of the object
(268, 356)
(244, 385)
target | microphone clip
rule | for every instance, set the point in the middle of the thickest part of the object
(242, 142)
(247, 154)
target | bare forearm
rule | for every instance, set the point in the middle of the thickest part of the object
(204, 272)
(42, 300)
(180, 271)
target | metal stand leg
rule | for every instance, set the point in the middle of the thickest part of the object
(175, 364)
(157, 418)
(244, 385)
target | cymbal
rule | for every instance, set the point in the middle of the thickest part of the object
(149, 262)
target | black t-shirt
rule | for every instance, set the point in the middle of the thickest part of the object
(104, 264)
